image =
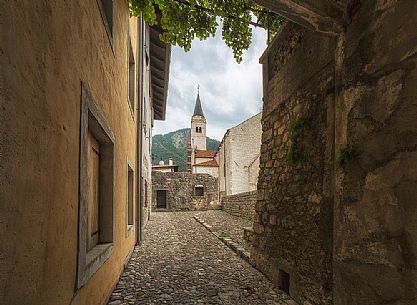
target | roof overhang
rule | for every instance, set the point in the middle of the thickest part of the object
(160, 60)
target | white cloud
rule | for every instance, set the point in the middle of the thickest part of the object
(230, 92)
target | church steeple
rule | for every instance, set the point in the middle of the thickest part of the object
(198, 110)
(197, 132)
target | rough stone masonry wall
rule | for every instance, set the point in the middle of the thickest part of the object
(180, 190)
(241, 205)
(367, 180)
(375, 256)
(293, 220)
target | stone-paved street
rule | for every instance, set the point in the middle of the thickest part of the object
(226, 224)
(180, 262)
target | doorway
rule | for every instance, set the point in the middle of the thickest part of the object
(161, 199)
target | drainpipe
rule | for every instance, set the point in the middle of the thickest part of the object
(139, 139)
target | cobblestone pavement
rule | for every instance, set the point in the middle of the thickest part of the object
(226, 224)
(180, 262)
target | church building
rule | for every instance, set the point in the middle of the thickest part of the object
(200, 160)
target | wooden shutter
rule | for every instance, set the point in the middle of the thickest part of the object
(93, 180)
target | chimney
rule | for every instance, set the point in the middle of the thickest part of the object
(170, 162)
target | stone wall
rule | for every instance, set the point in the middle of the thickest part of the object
(293, 219)
(241, 205)
(375, 236)
(180, 191)
(339, 215)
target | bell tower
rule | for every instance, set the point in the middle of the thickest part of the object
(197, 132)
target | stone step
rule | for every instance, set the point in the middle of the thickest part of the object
(248, 234)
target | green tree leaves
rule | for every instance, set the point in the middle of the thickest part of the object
(184, 20)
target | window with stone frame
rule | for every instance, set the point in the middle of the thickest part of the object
(199, 190)
(131, 77)
(106, 11)
(96, 191)
(129, 198)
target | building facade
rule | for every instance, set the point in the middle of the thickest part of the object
(165, 168)
(78, 103)
(184, 191)
(238, 157)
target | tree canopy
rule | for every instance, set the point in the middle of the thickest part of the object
(184, 20)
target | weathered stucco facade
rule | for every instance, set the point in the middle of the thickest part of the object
(238, 157)
(70, 81)
(184, 191)
(335, 217)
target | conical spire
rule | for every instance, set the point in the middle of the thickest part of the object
(197, 109)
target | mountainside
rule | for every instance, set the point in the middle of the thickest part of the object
(174, 144)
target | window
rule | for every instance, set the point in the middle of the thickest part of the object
(161, 199)
(131, 77)
(199, 190)
(145, 192)
(106, 11)
(129, 198)
(96, 195)
(198, 129)
(284, 281)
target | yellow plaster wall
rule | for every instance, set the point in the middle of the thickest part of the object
(47, 49)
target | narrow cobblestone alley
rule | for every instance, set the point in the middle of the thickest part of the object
(180, 262)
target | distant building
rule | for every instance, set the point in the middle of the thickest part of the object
(238, 157)
(165, 168)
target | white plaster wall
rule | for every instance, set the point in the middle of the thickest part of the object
(242, 146)
(213, 171)
(221, 162)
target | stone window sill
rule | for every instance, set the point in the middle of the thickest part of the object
(129, 230)
(96, 257)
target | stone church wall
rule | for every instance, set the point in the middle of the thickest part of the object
(340, 220)
(180, 191)
(241, 205)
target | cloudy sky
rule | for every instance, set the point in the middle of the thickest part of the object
(229, 92)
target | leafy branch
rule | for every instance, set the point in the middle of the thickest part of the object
(184, 20)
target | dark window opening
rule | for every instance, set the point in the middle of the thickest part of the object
(161, 199)
(130, 195)
(284, 281)
(199, 191)
(131, 77)
(107, 14)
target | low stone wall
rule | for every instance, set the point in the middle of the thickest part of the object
(180, 191)
(241, 205)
